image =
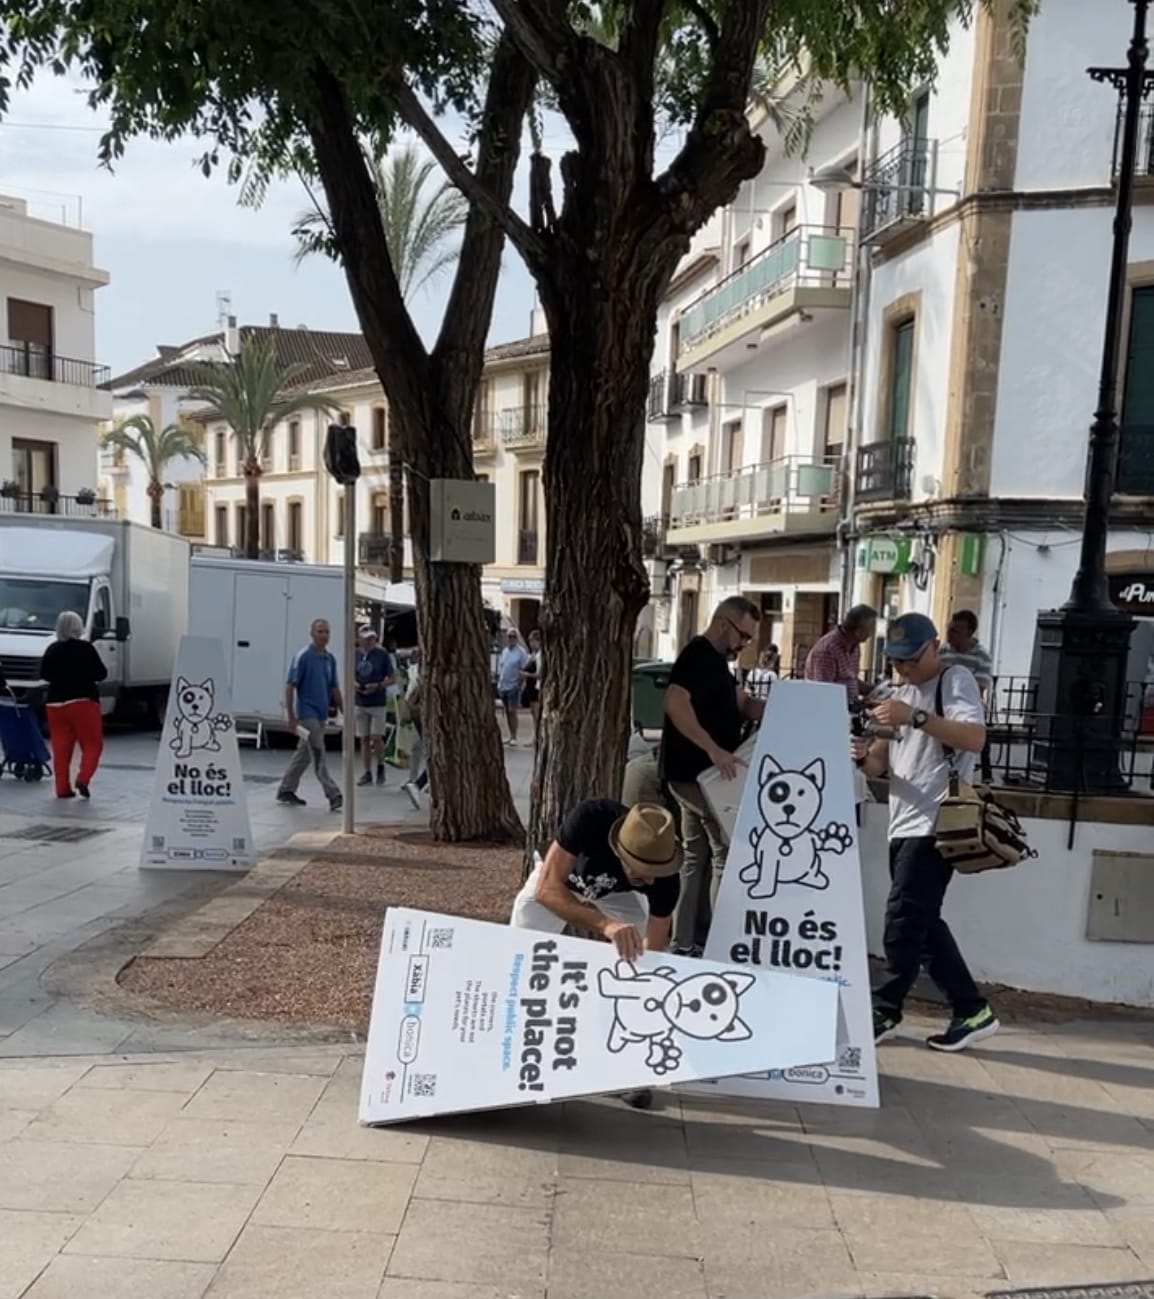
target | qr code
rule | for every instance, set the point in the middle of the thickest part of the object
(239, 845)
(423, 1084)
(157, 842)
(850, 1058)
(440, 939)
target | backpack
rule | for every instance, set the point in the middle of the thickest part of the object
(974, 832)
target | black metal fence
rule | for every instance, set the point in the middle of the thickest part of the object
(83, 506)
(31, 361)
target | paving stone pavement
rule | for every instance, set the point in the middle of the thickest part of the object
(56, 898)
(243, 1174)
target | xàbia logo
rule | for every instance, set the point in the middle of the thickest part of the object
(457, 515)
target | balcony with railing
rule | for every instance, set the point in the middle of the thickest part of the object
(1136, 460)
(528, 547)
(807, 270)
(485, 432)
(884, 471)
(897, 188)
(657, 404)
(374, 549)
(84, 505)
(797, 494)
(39, 377)
(523, 427)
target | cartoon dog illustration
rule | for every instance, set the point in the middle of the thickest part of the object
(653, 1005)
(787, 849)
(196, 723)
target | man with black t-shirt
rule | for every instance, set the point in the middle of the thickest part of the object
(613, 870)
(705, 711)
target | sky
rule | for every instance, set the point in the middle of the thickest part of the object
(172, 239)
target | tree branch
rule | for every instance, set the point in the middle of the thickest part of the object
(469, 183)
(639, 44)
(707, 23)
(470, 306)
(541, 30)
(354, 211)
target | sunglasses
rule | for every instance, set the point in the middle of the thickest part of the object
(746, 636)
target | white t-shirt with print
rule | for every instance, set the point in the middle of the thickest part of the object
(919, 769)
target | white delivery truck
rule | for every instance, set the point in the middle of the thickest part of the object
(263, 612)
(128, 582)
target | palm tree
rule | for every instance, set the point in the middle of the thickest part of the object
(155, 449)
(416, 225)
(252, 392)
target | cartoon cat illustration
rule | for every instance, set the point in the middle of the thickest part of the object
(196, 723)
(786, 847)
(653, 1005)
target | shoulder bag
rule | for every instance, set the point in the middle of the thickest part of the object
(974, 832)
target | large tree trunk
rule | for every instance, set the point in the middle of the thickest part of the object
(431, 401)
(601, 340)
(251, 541)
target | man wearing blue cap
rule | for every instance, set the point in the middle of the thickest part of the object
(936, 715)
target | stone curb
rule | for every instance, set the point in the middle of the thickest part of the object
(196, 934)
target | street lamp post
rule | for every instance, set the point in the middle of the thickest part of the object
(1082, 648)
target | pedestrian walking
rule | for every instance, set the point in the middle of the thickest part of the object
(510, 666)
(936, 713)
(705, 712)
(376, 672)
(762, 677)
(612, 871)
(531, 675)
(72, 670)
(312, 696)
(963, 649)
(836, 656)
(418, 780)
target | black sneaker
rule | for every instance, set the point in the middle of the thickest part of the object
(366, 779)
(336, 803)
(285, 799)
(963, 1032)
(82, 790)
(380, 773)
(641, 1099)
(885, 1026)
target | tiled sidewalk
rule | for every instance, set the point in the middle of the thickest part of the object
(244, 1175)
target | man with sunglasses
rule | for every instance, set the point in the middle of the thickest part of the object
(705, 712)
(938, 724)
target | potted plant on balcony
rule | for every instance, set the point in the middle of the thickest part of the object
(9, 490)
(49, 494)
(86, 496)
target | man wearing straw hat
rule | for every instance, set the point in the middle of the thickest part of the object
(611, 870)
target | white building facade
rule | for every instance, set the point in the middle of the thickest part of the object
(51, 399)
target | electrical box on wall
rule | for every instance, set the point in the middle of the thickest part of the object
(462, 521)
(1121, 906)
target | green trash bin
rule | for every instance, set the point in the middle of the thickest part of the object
(649, 683)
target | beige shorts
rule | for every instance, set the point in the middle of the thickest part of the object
(372, 721)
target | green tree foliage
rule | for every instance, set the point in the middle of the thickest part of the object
(155, 449)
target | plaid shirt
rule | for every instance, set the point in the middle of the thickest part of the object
(834, 658)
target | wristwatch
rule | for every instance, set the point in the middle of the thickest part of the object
(919, 719)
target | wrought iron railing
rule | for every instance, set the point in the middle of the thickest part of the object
(527, 546)
(657, 403)
(794, 484)
(31, 361)
(82, 506)
(523, 426)
(485, 430)
(884, 471)
(817, 256)
(1136, 460)
(689, 390)
(896, 186)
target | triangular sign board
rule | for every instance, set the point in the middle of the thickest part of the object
(198, 819)
(473, 1016)
(791, 895)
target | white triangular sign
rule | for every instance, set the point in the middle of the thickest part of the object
(791, 894)
(198, 819)
(471, 1016)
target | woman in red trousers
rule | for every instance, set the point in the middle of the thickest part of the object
(72, 670)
